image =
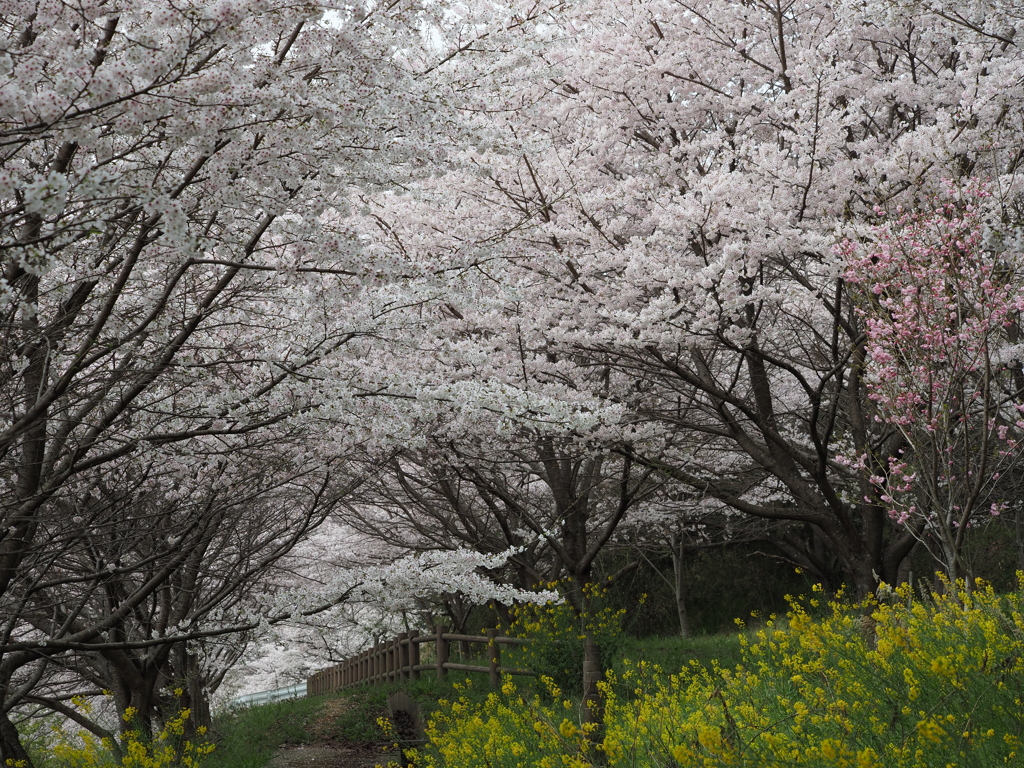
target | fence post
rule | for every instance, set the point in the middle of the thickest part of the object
(414, 655)
(493, 658)
(390, 665)
(403, 656)
(442, 650)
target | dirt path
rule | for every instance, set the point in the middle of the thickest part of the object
(329, 756)
(327, 751)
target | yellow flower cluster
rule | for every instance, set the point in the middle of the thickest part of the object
(903, 683)
(509, 730)
(166, 749)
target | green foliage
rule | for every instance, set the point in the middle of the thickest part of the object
(905, 683)
(38, 732)
(557, 633)
(249, 737)
(991, 549)
(725, 583)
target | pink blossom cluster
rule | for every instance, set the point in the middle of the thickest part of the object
(940, 304)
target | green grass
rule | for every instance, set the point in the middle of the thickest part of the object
(249, 737)
(675, 653)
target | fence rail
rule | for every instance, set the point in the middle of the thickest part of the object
(265, 697)
(399, 659)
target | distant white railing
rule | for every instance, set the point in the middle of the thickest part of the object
(265, 697)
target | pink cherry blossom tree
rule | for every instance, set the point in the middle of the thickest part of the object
(941, 296)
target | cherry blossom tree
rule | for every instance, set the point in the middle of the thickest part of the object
(209, 547)
(942, 297)
(658, 197)
(558, 253)
(177, 275)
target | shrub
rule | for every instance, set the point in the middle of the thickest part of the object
(901, 683)
(556, 633)
(507, 729)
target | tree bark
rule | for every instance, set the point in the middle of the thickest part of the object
(678, 565)
(11, 751)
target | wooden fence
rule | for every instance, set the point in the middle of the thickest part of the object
(399, 659)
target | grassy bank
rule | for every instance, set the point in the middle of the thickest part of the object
(673, 653)
(249, 737)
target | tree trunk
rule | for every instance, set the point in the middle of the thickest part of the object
(194, 696)
(1018, 527)
(678, 564)
(11, 751)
